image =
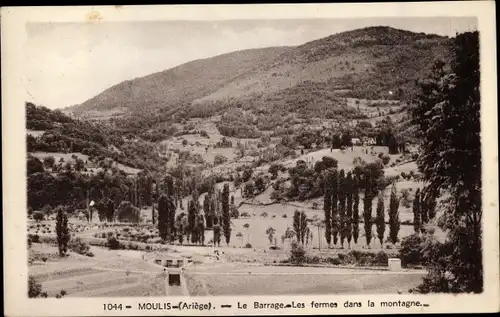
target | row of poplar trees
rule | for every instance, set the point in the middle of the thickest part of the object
(193, 225)
(424, 209)
(341, 207)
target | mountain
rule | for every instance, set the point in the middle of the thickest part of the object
(368, 63)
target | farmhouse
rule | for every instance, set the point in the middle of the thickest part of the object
(355, 141)
(172, 260)
(369, 141)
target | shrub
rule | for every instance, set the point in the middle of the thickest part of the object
(335, 261)
(63, 292)
(220, 159)
(297, 254)
(381, 258)
(34, 238)
(38, 215)
(248, 246)
(411, 250)
(79, 246)
(385, 159)
(34, 288)
(113, 243)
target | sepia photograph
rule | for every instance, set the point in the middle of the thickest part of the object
(253, 157)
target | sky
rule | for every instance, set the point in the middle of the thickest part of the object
(69, 63)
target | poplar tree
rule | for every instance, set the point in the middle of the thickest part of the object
(162, 217)
(367, 210)
(62, 231)
(207, 211)
(342, 200)
(355, 210)
(296, 225)
(170, 209)
(335, 223)
(393, 216)
(348, 222)
(416, 212)
(226, 220)
(192, 221)
(327, 207)
(380, 219)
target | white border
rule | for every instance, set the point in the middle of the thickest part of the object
(14, 189)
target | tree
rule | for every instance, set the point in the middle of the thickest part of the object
(226, 220)
(392, 143)
(416, 212)
(49, 161)
(367, 214)
(327, 207)
(34, 165)
(128, 212)
(220, 159)
(270, 234)
(449, 107)
(200, 228)
(393, 215)
(304, 229)
(335, 190)
(380, 220)
(349, 218)
(62, 231)
(300, 225)
(296, 224)
(207, 211)
(162, 217)
(342, 213)
(216, 230)
(38, 216)
(336, 141)
(260, 186)
(192, 222)
(110, 210)
(355, 211)
(249, 190)
(34, 288)
(180, 224)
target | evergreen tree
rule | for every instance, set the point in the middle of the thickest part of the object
(380, 220)
(336, 142)
(296, 225)
(349, 218)
(62, 231)
(216, 229)
(327, 208)
(207, 211)
(226, 220)
(192, 221)
(416, 212)
(335, 193)
(355, 211)
(367, 209)
(392, 143)
(342, 213)
(394, 224)
(170, 209)
(200, 228)
(304, 229)
(162, 217)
